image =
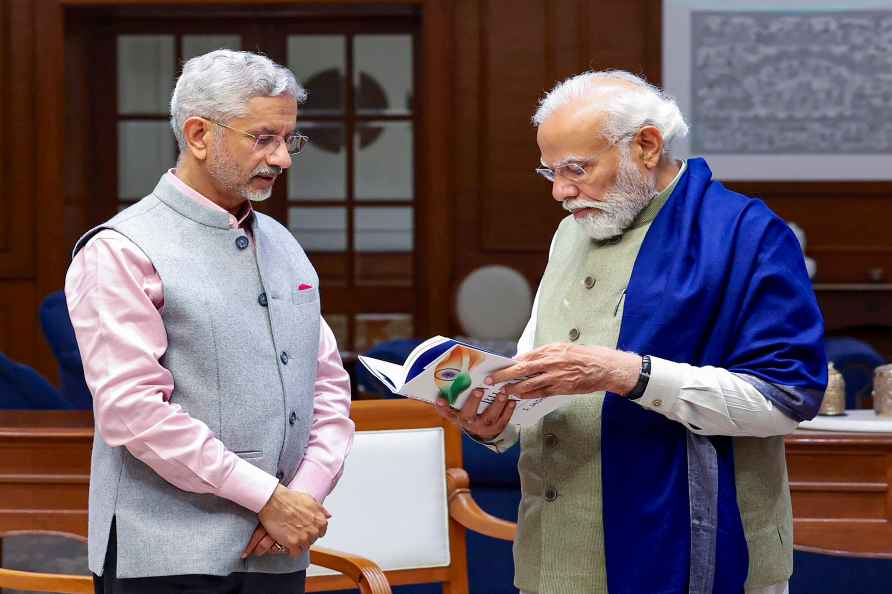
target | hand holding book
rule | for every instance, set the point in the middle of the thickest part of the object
(482, 426)
(449, 369)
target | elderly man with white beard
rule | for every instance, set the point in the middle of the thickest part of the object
(681, 315)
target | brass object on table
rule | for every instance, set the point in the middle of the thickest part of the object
(882, 390)
(834, 402)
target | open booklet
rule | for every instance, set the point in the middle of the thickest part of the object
(447, 368)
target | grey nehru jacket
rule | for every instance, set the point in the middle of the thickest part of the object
(243, 365)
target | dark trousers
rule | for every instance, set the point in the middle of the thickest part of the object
(234, 583)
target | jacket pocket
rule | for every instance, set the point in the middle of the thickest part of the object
(249, 454)
(299, 297)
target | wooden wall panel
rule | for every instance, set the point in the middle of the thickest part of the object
(18, 193)
(18, 328)
(4, 69)
(435, 251)
(80, 126)
(507, 139)
(20, 196)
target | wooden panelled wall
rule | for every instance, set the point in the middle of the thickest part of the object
(21, 281)
(507, 54)
(491, 60)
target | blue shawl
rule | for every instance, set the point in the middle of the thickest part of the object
(720, 280)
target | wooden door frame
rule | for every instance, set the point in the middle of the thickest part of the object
(434, 185)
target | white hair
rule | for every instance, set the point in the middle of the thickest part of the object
(630, 103)
(219, 84)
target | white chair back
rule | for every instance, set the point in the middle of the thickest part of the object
(390, 504)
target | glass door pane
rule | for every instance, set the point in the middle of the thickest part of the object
(383, 74)
(145, 73)
(385, 168)
(319, 63)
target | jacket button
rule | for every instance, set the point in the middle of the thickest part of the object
(280, 475)
(573, 334)
(550, 440)
(589, 282)
(261, 299)
(284, 358)
(551, 494)
(241, 242)
(293, 418)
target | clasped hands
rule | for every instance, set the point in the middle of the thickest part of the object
(290, 522)
(551, 370)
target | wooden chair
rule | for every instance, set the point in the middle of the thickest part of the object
(45, 582)
(404, 499)
(357, 571)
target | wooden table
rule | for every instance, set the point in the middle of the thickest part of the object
(45, 470)
(842, 501)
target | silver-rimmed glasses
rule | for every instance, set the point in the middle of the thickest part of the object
(269, 143)
(575, 169)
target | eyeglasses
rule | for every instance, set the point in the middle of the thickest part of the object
(577, 171)
(269, 143)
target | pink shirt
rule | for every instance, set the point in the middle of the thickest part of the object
(115, 297)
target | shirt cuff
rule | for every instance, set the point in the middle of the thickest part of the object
(502, 442)
(663, 387)
(313, 479)
(248, 486)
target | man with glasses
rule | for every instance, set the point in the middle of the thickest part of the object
(221, 404)
(682, 316)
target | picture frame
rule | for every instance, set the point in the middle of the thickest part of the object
(794, 92)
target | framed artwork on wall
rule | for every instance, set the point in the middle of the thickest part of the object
(796, 91)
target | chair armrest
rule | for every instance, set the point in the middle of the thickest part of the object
(365, 573)
(46, 582)
(464, 510)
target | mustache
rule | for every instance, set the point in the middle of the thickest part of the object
(578, 203)
(267, 170)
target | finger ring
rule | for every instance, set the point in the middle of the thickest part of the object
(279, 548)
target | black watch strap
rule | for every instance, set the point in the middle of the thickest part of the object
(643, 377)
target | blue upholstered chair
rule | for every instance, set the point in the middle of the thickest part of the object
(60, 334)
(23, 388)
(496, 488)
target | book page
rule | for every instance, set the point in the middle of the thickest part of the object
(390, 374)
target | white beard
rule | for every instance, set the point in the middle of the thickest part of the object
(256, 195)
(631, 193)
(226, 171)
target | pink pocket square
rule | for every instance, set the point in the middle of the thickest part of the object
(304, 287)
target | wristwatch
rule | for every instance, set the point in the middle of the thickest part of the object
(643, 377)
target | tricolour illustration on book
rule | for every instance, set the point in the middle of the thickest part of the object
(447, 368)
